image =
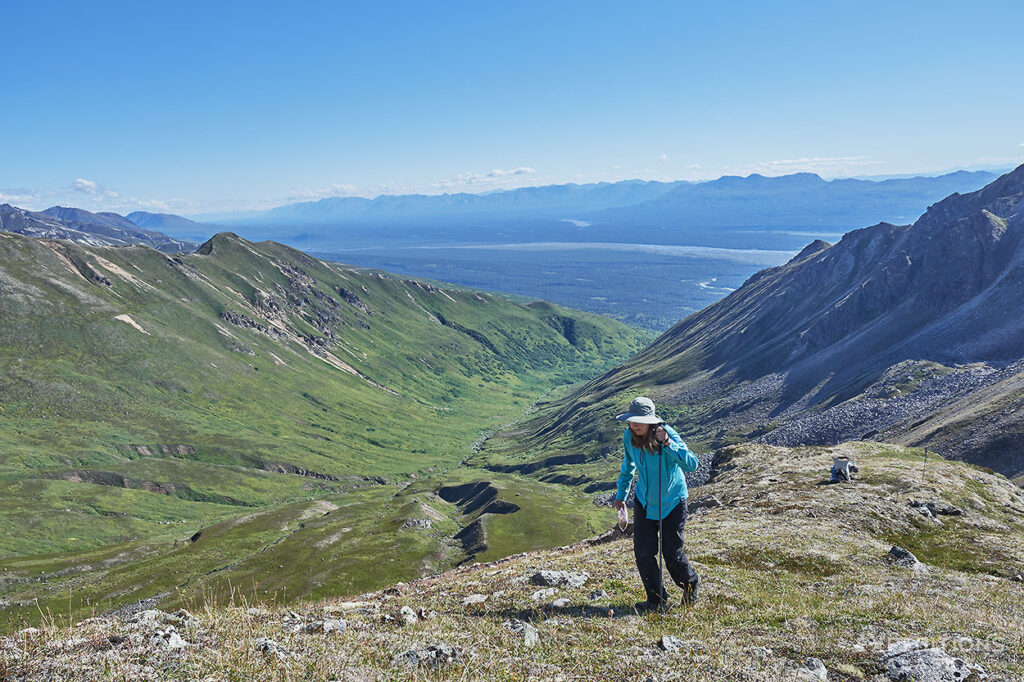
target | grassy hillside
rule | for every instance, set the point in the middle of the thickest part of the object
(792, 568)
(243, 391)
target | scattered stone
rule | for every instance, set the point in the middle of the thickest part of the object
(935, 509)
(670, 643)
(902, 557)
(147, 617)
(560, 603)
(271, 648)
(597, 595)
(325, 627)
(417, 523)
(167, 637)
(529, 633)
(544, 594)
(474, 599)
(424, 614)
(813, 669)
(397, 588)
(407, 616)
(179, 617)
(1018, 578)
(914, 660)
(559, 578)
(433, 656)
(709, 502)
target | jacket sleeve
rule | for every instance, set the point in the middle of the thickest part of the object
(677, 449)
(626, 472)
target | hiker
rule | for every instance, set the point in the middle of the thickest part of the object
(659, 456)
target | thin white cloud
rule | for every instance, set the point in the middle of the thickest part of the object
(819, 162)
(825, 165)
(19, 197)
(84, 186)
(498, 173)
(663, 157)
(335, 190)
(494, 179)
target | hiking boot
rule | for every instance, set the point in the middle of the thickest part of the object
(690, 592)
(652, 605)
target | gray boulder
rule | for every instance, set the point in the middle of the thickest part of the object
(272, 649)
(913, 660)
(324, 627)
(812, 669)
(544, 594)
(433, 656)
(167, 637)
(559, 578)
(902, 557)
(670, 643)
(407, 616)
(529, 633)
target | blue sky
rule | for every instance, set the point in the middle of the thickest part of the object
(205, 107)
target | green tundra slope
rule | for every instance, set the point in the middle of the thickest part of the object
(792, 568)
(179, 423)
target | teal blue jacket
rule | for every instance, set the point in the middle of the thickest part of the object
(674, 460)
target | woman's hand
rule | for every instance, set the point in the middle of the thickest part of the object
(619, 504)
(661, 435)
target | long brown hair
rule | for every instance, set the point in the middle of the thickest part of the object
(646, 442)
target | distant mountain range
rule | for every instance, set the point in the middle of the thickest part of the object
(175, 224)
(96, 229)
(732, 212)
(908, 334)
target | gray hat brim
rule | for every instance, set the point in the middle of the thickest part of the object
(639, 418)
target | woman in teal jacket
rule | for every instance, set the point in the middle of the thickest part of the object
(658, 456)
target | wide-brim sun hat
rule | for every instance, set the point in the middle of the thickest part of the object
(641, 410)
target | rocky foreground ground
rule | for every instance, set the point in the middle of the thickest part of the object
(906, 573)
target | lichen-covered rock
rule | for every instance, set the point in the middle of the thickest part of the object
(902, 557)
(406, 616)
(433, 656)
(324, 627)
(559, 578)
(913, 660)
(272, 649)
(529, 633)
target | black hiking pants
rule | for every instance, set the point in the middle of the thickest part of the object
(645, 548)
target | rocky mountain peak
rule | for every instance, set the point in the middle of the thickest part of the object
(219, 239)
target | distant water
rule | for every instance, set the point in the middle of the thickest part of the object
(647, 285)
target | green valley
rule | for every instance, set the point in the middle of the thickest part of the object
(250, 419)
